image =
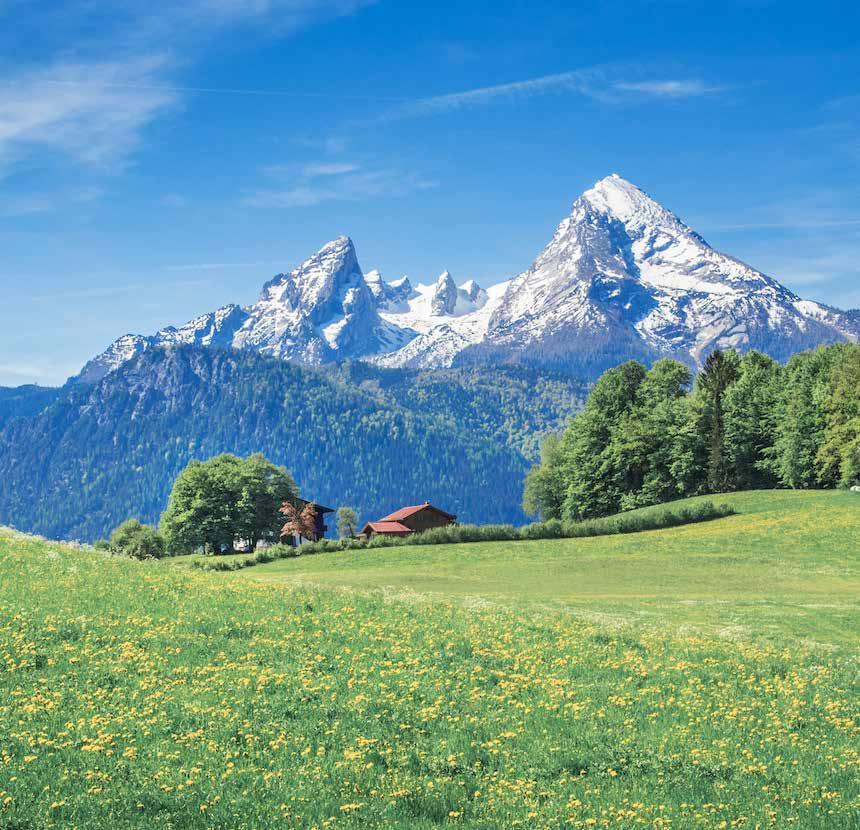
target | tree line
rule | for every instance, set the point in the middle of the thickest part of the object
(223, 502)
(355, 435)
(745, 422)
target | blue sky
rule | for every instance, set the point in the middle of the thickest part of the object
(158, 160)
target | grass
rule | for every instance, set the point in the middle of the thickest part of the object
(785, 565)
(633, 521)
(699, 677)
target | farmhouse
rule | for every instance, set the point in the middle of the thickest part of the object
(409, 520)
(319, 529)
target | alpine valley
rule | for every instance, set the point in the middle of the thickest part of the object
(373, 393)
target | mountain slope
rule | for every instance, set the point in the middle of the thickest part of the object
(622, 278)
(625, 278)
(24, 401)
(366, 437)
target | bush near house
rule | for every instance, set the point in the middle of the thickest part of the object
(134, 539)
(633, 522)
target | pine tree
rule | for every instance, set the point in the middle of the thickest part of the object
(721, 370)
(838, 458)
(751, 405)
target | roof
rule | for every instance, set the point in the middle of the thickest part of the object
(406, 512)
(319, 507)
(387, 527)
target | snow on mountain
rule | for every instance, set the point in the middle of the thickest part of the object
(217, 328)
(622, 278)
(449, 300)
(391, 296)
(321, 311)
(446, 321)
(122, 350)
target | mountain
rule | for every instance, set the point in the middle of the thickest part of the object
(24, 401)
(622, 278)
(625, 278)
(91, 455)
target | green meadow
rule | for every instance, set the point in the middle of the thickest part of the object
(786, 565)
(703, 676)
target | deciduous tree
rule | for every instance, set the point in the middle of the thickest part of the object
(213, 503)
(301, 520)
(347, 522)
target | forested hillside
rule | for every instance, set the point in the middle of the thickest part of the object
(24, 401)
(510, 405)
(648, 436)
(371, 438)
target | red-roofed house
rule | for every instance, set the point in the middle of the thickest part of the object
(409, 520)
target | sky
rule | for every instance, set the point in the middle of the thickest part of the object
(161, 159)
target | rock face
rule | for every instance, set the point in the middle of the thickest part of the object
(322, 311)
(120, 351)
(622, 278)
(444, 300)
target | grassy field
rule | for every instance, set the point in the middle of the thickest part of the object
(785, 566)
(699, 677)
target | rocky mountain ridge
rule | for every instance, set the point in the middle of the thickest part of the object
(622, 278)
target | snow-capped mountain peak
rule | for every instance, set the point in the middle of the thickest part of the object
(623, 200)
(320, 311)
(444, 299)
(623, 277)
(317, 281)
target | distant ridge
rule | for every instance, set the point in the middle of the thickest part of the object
(622, 278)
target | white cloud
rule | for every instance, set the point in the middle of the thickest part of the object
(598, 82)
(76, 110)
(582, 81)
(94, 107)
(331, 169)
(318, 183)
(798, 223)
(670, 88)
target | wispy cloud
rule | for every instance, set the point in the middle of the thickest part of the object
(314, 184)
(112, 291)
(689, 88)
(91, 122)
(581, 81)
(330, 169)
(222, 266)
(281, 16)
(129, 25)
(788, 224)
(829, 273)
(601, 82)
(95, 107)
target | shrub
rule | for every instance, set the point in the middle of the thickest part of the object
(136, 540)
(652, 518)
